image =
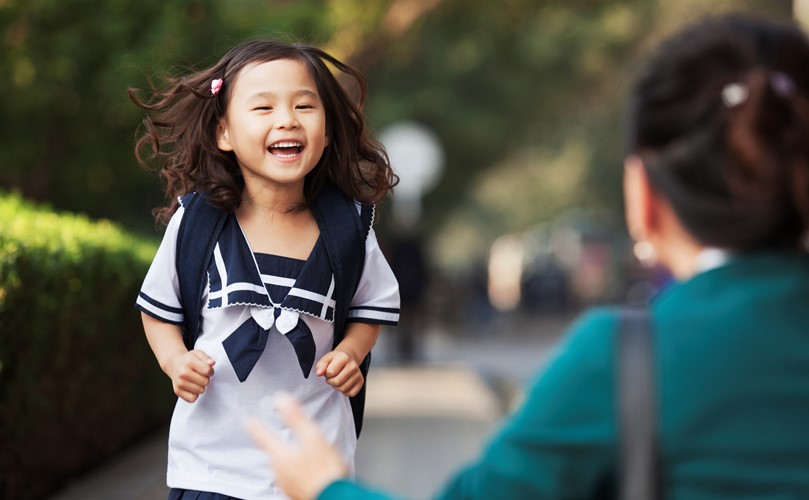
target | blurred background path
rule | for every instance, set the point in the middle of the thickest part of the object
(424, 418)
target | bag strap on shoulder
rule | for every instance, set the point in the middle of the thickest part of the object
(199, 228)
(639, 455)
(343, 234)
(344, 231)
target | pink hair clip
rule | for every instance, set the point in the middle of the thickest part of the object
(216, 84)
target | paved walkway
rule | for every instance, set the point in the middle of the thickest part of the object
(422, 421)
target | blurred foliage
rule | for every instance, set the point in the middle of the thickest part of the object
(527, 98)
(515, 88)
(500, 81)
(69, 127)
(77, 379)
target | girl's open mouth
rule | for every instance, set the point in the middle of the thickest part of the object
(285, 149)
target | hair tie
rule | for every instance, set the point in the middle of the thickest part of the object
(736, 93)
(733, 94)
(216, 84)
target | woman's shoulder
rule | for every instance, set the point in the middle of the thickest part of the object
(588, 343)
(596, 325)
(579, 374)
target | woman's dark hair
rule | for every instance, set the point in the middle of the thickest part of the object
(721, 120)
(181, 121)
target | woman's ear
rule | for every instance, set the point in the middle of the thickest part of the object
(638, 199)
(222, 137)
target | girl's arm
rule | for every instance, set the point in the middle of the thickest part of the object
(190, 371)
(341, 367)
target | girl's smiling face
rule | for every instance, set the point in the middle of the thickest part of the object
(275, 124)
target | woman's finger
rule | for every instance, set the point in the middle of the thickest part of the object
(265, 439)
(292, 414)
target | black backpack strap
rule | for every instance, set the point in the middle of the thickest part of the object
(358, 401)
(639, 454)
(196, 237)
(343, 231)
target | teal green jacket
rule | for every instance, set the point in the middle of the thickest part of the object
(733, 380)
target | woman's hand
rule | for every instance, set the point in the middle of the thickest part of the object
(305, 468)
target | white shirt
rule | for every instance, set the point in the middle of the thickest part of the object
(209, 449)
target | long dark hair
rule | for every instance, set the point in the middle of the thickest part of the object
(721, 119)
(182, 116)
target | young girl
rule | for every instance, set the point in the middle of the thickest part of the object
(269, 277)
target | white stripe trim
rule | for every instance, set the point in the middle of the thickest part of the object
(314, 297)
(223, 275)
(327, 300)
(236, 287)
(277, 280)
(160, 313)
(370, 314)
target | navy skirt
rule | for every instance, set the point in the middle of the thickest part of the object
(179, 494)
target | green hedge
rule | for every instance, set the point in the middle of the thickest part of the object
(77, 379)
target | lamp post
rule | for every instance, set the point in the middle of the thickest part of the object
(417, 158)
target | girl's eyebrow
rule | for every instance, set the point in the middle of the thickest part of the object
(269, 95)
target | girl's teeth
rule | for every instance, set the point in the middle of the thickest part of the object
(286, 149)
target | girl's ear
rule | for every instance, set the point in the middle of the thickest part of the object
(222, 137)
(639, 199)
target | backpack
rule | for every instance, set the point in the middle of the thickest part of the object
(342, 228)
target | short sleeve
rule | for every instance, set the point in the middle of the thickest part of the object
(159, 295)
(377, 297)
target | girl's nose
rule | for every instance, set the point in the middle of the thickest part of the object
(285, 118)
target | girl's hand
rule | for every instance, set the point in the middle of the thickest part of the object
(305, 468)
(341, 371)
(190, 373)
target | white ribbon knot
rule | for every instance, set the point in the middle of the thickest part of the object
(265, 317)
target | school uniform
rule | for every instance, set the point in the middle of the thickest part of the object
(265, 320)
(732, 364)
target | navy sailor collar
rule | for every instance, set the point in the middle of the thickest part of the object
(234, 278)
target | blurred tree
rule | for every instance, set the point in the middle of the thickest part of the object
(517, 88)
(69, 128)
(67, 133)
(527, 98)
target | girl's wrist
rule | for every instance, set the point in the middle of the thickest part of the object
(351, 353)
(168, 362)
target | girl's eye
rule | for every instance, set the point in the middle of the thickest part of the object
(304, 106)
(263, 108)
